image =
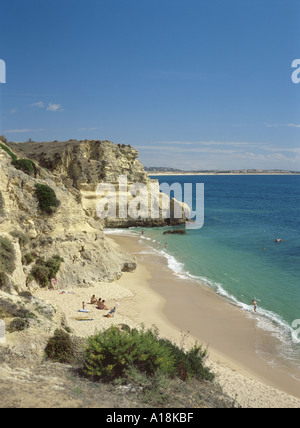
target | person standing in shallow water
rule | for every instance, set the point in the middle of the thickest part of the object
(255, 305)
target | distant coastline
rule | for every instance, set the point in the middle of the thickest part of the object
(165, 171)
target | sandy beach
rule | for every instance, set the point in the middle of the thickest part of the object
(185, 312)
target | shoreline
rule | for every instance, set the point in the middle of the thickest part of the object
(153, 295)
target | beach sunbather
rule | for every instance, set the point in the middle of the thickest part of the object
(104, 305)
(93, 300)
(101, 305)
(111, 313)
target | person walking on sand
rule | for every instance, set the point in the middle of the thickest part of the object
(255, 305)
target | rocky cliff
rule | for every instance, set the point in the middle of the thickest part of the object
(83, 165)
(69, 232)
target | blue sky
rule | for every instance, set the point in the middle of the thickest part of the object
(192, 84)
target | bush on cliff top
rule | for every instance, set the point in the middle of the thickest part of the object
(7, 150)
(25, 165)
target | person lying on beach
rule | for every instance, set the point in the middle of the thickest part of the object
(65, 292)
(93, 300)
(111, 313)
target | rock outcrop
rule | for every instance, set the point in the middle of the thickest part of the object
(84, 165)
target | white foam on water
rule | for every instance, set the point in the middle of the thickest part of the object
(126, 232)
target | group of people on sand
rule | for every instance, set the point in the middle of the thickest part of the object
(99, 303)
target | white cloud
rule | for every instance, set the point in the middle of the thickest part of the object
(22, 131)
(54, 107)
(39, 104)
(88, 129)
(280, 125)
(49, 107)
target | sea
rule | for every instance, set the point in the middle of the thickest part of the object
(235, 251)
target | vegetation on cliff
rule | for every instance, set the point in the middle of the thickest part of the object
(112, 355)
(60, 347)
(13, 156)
(1, 204)
(25, 165)
(44, 270)
(47, 198)
(7, 259)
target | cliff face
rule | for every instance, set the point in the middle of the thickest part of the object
(83, 165)
(68, 232)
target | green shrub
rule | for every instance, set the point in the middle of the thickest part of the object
(18, 324)
(7, 150)
(7, 256)
(27, 259)
(47, 198)
(25, 165)
(110, 354)
(26, 294)
(114, 353)
(3, 279)
(1, 203)
(190, 364)
(23, 239)
(44, 270)
(60, 348)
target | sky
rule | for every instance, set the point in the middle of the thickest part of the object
(192, 84)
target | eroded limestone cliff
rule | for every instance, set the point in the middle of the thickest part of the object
(83, 165)
(69, 232)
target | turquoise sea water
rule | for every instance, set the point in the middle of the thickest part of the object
(235, 253)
